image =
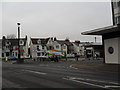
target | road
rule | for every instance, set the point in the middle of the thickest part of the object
(55, 75)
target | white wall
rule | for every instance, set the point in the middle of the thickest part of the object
(0, 52)
(115, 56)
(119, 50)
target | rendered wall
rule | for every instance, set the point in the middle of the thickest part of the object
(113, 57)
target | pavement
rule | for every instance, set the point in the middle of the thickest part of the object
(97, 65)
(82, 63)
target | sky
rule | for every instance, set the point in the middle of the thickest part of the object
(55, 19)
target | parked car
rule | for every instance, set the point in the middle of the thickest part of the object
(70, 55)
(11, 58)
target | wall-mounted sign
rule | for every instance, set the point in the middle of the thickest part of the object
(110, 50)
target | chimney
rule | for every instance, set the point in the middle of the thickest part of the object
(77, 41)
(67, 40)
(55, 39)
(26, 37)
(3, 37)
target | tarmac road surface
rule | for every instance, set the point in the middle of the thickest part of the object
(56, 75)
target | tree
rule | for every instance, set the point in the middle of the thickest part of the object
(11, 36)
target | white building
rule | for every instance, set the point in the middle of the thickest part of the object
(0, 48)
(38, 47)
(61, 45)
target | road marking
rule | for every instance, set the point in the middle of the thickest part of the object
(99, 81)
(93, 80)
(85, 83)
(111, 86)
(88, 83)
(35, 72)
(73, 67)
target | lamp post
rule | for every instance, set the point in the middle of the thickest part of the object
(19, 60)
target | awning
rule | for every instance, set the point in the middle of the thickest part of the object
(102, 31)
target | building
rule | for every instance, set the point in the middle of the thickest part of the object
(61, 45)
(93, 50)
(38, 47)
(76, 46)
(110, 36)
(0, 48)
(10, 47)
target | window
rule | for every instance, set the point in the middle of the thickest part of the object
(119, 20)
(13, 53)
(39, 41)
(2, 54)
(22, 54)
(21, 42)
(7, 43)
(7, 47)
(42, 53)
(57, 46)
(119, 3)
(38, 54)
(7, 53)
(42, 47)
(38, 48)
(64, 46)
(16, 54)
(51, 47)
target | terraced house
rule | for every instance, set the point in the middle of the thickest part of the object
(10, 47)
(38, 47)
(61, 45)
(0, 47)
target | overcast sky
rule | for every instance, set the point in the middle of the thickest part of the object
(55, 19)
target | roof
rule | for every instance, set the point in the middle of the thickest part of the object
(93, 44)
(64, 42)
(14, 42)
(101, 31)
(77, 44)
(43, 40)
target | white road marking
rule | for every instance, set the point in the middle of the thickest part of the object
(85, 83)
(99, 81)
(111, 86)
(88, 83)
(73, 67)
(94, 80)
(35, 72)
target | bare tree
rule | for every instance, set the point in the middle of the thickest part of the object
(11, 36)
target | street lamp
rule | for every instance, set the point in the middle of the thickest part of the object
(19, 60)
